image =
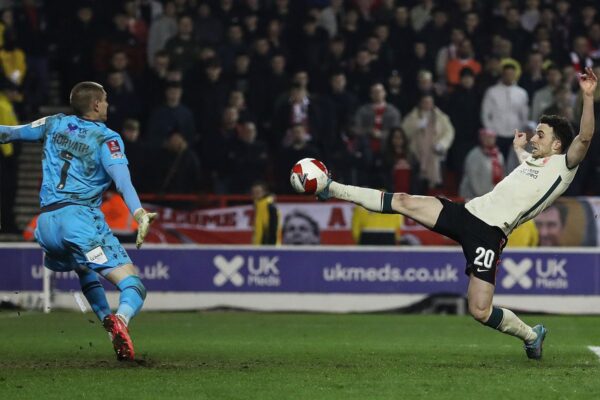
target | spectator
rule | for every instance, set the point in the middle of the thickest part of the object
(564, 102)
(12, 59)
(123, 103)
(342, 103)
(329, 17)
(267, 220)
(77, 53)
(579, 57)
(463, 109)
(436, 32)
(120, 38)
(120, 62)
(396, 94)
(234, 45)
(334, 58)
(265, 89)
(448, 52)
(237, 99)
(206, 94)
(249, 158)
(375, 119)
(465, 58)
(530, 16)
(216, 151)
(420, 14)
(402, 34)
(171, 117)
(396, 160)
(182, 48)
(505, 108)
(361, 75)
(139, 155)
(484, 167)
(308, 49)
(155, 81)
(515, 34)
(430, 135)
(544, 97)
(209, 29)
(300, 108)
(241, 76)
(533, 78)
(182, 173)
(161, 30)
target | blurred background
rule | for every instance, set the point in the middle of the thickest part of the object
(216, 100)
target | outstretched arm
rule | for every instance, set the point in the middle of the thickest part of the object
(581, 143)
(31, 132)
(519, 143)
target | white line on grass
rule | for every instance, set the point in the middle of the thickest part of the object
(595, 350)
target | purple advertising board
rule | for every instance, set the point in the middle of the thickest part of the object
(326, 270)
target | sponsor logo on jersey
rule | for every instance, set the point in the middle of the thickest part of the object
(72, 127)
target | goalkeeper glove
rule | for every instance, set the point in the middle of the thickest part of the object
(144, 219)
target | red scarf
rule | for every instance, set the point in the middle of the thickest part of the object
(497, 170)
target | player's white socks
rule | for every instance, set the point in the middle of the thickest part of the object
(123, 318)
(370, 199)
(512, 325)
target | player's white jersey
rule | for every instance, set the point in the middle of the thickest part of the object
(524, 193)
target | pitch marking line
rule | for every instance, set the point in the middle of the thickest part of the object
(595, 350)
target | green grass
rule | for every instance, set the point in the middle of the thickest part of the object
(231, 355)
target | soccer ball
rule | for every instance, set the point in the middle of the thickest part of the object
(309, 176)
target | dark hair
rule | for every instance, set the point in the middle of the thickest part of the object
(83, 94)
(562, 129)
(562, 211)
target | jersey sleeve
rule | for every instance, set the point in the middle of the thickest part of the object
(112, 152)
(32, 132)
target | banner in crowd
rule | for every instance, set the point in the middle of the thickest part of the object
(569, 222)
(326, 271)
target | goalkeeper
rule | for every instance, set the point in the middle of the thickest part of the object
(81, 157)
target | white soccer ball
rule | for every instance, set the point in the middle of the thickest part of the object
(309, 176)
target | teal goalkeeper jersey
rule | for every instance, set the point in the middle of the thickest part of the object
(76, 156)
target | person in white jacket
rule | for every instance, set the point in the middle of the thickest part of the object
(505, 106)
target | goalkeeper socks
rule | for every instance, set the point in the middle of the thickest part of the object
(132, 297)
(507, 322)
(94, 293)
(371, 199)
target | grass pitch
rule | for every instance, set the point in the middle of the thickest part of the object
(231, 355)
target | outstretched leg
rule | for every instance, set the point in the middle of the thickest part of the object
(480, 295)
(423, 209)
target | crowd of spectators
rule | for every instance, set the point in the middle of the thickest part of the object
(213, 95)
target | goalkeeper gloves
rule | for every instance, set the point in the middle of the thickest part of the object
(144, 219)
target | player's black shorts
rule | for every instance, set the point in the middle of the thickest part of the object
(482, 244)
